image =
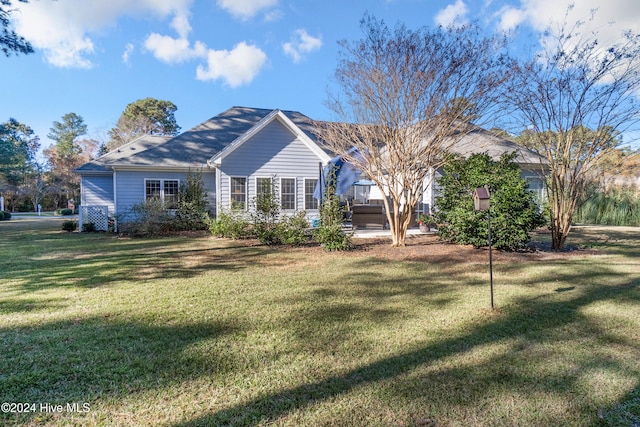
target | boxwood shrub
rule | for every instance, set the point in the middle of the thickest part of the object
(69, 225)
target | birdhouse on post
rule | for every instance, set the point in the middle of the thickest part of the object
(481, 198)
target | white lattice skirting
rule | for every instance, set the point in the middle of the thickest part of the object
(98, 215)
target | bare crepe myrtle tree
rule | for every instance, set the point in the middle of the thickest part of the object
(571, 103)
(405, 96)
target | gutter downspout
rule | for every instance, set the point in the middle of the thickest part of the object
(115, 201)
(216, 169)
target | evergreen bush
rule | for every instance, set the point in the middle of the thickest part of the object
(265, 214)
(88, 227)
(192, 201)
(231, 225)
(149, 218)
(330, 233)
(514, 212)
(69, 225)
(292, 229)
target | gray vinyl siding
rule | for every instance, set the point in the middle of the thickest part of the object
(97, 191)
(272, 151)
(130, 186)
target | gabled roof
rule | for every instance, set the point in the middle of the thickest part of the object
(198, 145)
(128, 153)
(478, 140)
(302, 129)
(213, 139)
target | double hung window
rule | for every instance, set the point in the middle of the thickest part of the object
(310, 202)
(238, 192)
(165, 190)
(288, 194)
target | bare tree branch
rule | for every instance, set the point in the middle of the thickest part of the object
(573, 101)
(406, 98)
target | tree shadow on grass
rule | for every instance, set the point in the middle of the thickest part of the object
(625, 412)
(8, 306)
(527, 322)
(138, 261)
(88, 359)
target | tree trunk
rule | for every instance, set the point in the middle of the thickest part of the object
(399, 224)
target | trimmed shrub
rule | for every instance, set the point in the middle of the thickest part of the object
(292, 230)
(1, 215)
(332, 237)
(514, 212)
(88, 227)
(231, 225)
(150, 218)
(69, 225)
(7, 215)
(64, 212)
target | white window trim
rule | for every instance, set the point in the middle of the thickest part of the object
(295, 193)
(255, 183)
(304, 195)
(162, 181)
(246, 191)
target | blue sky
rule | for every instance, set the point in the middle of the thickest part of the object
(95, 57)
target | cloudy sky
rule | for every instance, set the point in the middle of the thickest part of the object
(95, 57)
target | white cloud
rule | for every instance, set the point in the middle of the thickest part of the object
(180, 23)
(62, 29)
(510, 18)
(128, 50)
(605, 21)
(611, 17)
(171, 50)
(236, 67)
(246, 9)
(300, 44)
(454, 14)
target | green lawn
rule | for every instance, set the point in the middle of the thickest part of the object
(203, 332)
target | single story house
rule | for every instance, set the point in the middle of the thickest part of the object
(235, 151)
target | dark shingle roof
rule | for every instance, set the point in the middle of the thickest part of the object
(194, 147)
(480, 140)
(199, 144)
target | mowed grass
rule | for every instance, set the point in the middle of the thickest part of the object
(196, 331)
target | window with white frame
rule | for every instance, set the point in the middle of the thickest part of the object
(263, 186)
(310, 202)
(238, 197)
(152, 189)
(288, 194)
(536, 186)
(162, 189)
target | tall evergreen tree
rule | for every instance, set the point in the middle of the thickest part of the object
(65, 133)
(67, 153)
(148, 116)
(10, 42)
(18, 148)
